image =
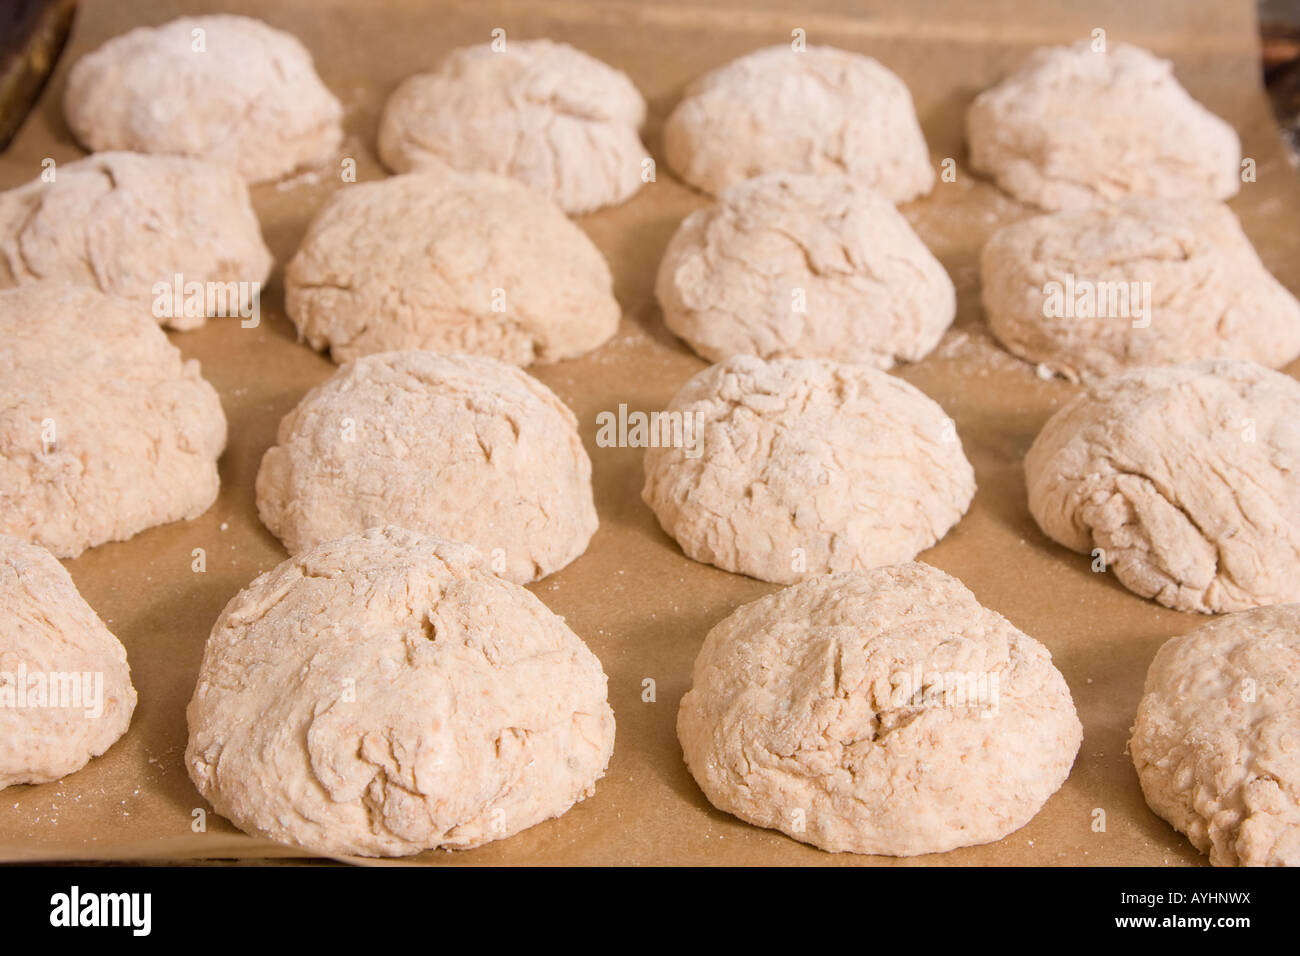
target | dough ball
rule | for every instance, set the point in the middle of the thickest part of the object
(125, 222)
(790, 266)
(65, 688)
(105, 430)
(1142, 282)
(458, 446)
(225, 88)
(883, 711)
(1185, 477)
(453, 262)
(540, 112)
(802, 466)
(1074, 128)
(385, 693)
(818, 111)
(1215, 738)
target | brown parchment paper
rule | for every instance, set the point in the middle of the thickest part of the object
(639, 603)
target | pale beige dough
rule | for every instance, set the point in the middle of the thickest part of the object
(877, 712)
(804, 466)
(540, 112)
(105, 430)
(818, 111)
(1182, 479)
(65, 687)
(1184, 263)
(250, 98)
(464, 447)
(385, 693)
(126, 222)
(1214, 742)
(1074, 128)
(794, 266)
(452, 262)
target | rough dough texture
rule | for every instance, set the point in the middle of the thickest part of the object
(452, 262)
(463, 447)
(50, 636)
(250, 98)
(540, 112)
(869, 290)
(806, 466)
(384, 693)
(123, 222)
(878, 712)
(1214, 742)
(1073, 129)
(1185, 477)
(105, 429)
(819, 111)
(1210, 296)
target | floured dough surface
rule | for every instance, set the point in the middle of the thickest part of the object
(105, 430)
(249, 97)
(460, 446)
(803, 466)
(65, 688)
(1184, 477)
(1074, 128)
(385, 693)
(877, 712)
(1170, 280)
(125, 222)
(541, 112)
(1215, 738)
(818, 111)
(794, 266)
(451, 262)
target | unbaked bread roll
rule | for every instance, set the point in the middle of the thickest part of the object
(1182, 480)
(1075, 128)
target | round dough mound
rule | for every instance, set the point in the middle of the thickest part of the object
(1215, 738)
(871, 291)
(54, 644)
(1185, 478)
(384, 694)
(804, 466)
(250, 98)
(459, 446)
(455, 262)
(819, 111)
(540, 112)
(1209, 295)
(1073, 129)
(878, 712)
(105, 429)
(123, 222)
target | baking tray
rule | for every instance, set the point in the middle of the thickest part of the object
(639, 603)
